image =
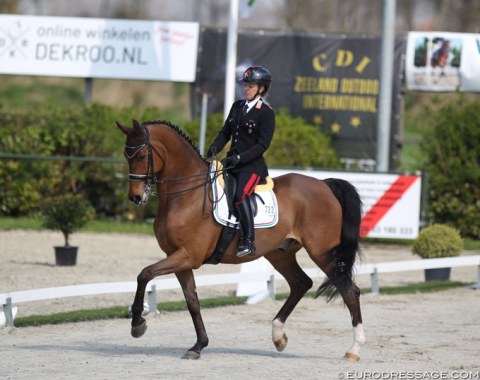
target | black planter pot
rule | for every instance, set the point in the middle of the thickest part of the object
(437, 274)
(66, 255)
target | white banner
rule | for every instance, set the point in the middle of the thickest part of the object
(443, 61)
(391, 202)
(98, 48)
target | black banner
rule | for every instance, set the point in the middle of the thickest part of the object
(330, 80)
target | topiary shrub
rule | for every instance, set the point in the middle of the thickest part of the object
(437, 240)
(67, 213)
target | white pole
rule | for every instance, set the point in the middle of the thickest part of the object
(203, 122)
(231, 59)
(386, 85)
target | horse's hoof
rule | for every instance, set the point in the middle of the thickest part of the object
(351, 357)
(281, 343)
(191, 355)
(138, 331)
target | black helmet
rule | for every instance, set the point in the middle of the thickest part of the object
(258, 75)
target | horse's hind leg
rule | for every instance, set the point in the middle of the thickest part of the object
(351, 296)
(342, 281)
(286, 264)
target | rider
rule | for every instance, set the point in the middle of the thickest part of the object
(250, 124)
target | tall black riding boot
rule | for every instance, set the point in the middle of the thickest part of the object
(247, 246)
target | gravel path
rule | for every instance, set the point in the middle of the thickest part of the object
(434, 333)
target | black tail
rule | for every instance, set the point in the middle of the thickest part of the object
(345, 253)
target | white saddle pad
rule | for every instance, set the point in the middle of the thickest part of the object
(267, 215)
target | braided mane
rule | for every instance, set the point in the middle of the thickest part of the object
(179, 131)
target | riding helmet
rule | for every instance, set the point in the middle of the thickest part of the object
(258, 75)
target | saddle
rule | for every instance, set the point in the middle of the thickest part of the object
(225, 186)
(230, 186)
(224, 208)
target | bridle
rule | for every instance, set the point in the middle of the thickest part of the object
(150, 176)
(151, 179)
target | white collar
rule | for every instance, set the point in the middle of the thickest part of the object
(251, 103)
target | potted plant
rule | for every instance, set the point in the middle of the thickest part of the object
(437, 240)
(66, 213)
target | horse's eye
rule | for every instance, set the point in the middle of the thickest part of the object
(141, 157)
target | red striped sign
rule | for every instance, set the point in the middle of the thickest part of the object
(391, 202)
(385, 203)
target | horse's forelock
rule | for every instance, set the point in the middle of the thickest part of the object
(136, 136)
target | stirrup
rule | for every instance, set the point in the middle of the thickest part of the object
(247, 248)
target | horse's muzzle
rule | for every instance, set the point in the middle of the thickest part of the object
(137, 199)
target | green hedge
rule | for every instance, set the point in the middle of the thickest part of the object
(87, 131)
(90, 131)
(295, 143)
(451, 148)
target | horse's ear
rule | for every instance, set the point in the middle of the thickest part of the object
(123, 128)
(136, 124)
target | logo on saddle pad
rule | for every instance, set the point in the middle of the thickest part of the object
(266, 203)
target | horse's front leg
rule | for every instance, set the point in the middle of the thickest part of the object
(187, 281)
(177, 262)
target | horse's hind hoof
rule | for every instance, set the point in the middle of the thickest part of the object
(281, 343)
(351, 357)
(191, 355)
(138, 331)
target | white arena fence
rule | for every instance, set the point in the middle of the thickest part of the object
(267, 277)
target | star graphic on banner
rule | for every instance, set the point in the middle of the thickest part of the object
(335, 128)
(317, 120)
(355, 122)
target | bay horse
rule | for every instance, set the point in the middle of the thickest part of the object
(440, 56)
(321, 216)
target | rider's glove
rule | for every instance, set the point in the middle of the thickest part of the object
(232, 161)
(212, 151)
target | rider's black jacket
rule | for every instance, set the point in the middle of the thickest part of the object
(251, 135)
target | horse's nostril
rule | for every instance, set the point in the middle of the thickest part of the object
(137, 199)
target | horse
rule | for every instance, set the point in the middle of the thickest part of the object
(440, 56)
(323, 216)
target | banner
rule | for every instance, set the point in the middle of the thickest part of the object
(331, 81)
(391, 202)
(443, 61)
(98, 48)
